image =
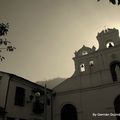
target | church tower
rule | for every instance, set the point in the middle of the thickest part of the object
(94, 88)
(100, 66)
(108, 38)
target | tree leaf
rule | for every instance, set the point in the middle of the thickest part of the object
(112, 1)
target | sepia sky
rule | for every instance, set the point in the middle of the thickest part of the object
(46, 34)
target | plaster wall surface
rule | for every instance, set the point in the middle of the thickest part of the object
(3, 88)
(23, 112)
(94, 87)
(89, 101)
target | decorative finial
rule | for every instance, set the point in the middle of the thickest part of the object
(105, 28)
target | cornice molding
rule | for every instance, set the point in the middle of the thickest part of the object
(88, 89)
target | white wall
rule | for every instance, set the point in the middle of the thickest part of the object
(19, 111)
(3, 88)
(97, 100)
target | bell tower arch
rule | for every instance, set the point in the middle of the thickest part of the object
(108, 38)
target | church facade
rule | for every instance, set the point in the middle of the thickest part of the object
(93, 91)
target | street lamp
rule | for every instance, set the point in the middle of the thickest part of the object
(37, 94)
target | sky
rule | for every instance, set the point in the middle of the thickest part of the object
(46, 33)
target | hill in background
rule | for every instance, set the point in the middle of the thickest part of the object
(51, 83)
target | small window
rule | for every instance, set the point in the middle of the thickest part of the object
(82, 67)
(110, 44)
(91, 63)
(20, 96)
(84, 53)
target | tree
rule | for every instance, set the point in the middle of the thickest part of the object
(114, 2)
(5, 45)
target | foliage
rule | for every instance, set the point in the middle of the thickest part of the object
(4, 29)
(5, 45)
(114, 2)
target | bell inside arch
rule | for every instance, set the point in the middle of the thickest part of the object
(110, 44)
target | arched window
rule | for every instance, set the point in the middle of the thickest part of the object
(117, 106)
(110, 44)
(82, 67)
(91, 63)
(68, 112)
(115, 70)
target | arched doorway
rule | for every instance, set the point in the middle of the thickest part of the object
(115, 70)
(68, 112)
(117, 106)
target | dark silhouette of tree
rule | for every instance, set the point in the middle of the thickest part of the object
(114, 2)
(5, 45)
(4, 29)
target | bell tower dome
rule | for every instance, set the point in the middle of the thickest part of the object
(108, 38)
